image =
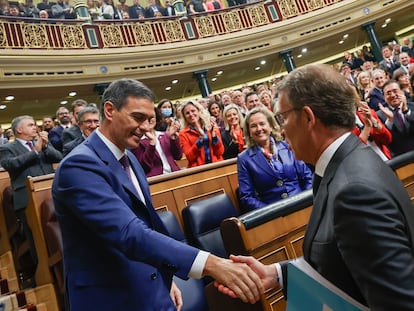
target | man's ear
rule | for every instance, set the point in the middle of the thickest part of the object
(309, 115)
(109, 109)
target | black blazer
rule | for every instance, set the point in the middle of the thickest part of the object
(20, 163)
(361, 231)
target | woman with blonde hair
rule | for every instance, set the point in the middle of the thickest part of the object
(265, 98)
(232, 135)
(267, 169)
(200, 139)
(364, 85)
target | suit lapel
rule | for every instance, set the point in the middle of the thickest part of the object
(257, 157)
(320, 200)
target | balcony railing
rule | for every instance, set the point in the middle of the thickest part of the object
(29, 33)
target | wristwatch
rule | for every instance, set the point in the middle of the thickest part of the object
(375, 124)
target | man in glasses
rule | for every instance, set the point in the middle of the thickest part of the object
(360, 234)
(88, 121)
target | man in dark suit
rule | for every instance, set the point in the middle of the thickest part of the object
(88, 122)
(74, 131)
(398, 117)
(360, 234)
(376, 96)
(29, 155)
(115, 252)
(389, 63)
(55, 134)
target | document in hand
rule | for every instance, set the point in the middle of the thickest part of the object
(308, 290)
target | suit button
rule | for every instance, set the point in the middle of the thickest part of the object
(279, 183)
(153, 276)
(284, 195)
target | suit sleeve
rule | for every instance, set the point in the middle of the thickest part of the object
(190, 149)
(92, 193)
(372, 237)
(246, 186)
(16, 162)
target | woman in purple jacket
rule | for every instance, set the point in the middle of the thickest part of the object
(267, 170)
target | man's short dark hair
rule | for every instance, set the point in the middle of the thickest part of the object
(325, 91)
(119, 90)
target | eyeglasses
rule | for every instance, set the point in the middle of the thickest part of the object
(280, 116)
(90, 122)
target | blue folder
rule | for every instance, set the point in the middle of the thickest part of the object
(308, 290)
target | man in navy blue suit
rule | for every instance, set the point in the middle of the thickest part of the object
(116, 252)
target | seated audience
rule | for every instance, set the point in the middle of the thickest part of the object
(200, 139)
(88, 121)
(370, 129)
(232, 135)
(157, 151)
(267, 170)
(216, 110)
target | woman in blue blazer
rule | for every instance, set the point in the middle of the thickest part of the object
(267, 170)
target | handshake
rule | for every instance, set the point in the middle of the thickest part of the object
(241, 277)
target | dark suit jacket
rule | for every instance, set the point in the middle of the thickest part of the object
(68, 147)
(20, 163)
(361, 231)
(55, 137)
(402, 139)
(71, 134)
(375, 97)
(115, 256)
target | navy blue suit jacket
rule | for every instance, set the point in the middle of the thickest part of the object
(115, 256)
(55, 137)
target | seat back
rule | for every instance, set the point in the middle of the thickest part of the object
(192, 290)
(53, 237)
(202, 221)
(20, 247)
(171, 224)
(403, 166)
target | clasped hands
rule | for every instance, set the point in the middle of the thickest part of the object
(242, 277)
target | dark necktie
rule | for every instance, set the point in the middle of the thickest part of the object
(126, 165)
(315, 184)
(30, 144)
(400, 119)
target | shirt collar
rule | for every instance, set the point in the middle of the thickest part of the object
(328, 153)
(111, 146)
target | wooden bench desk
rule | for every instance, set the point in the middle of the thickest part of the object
(271, 234)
